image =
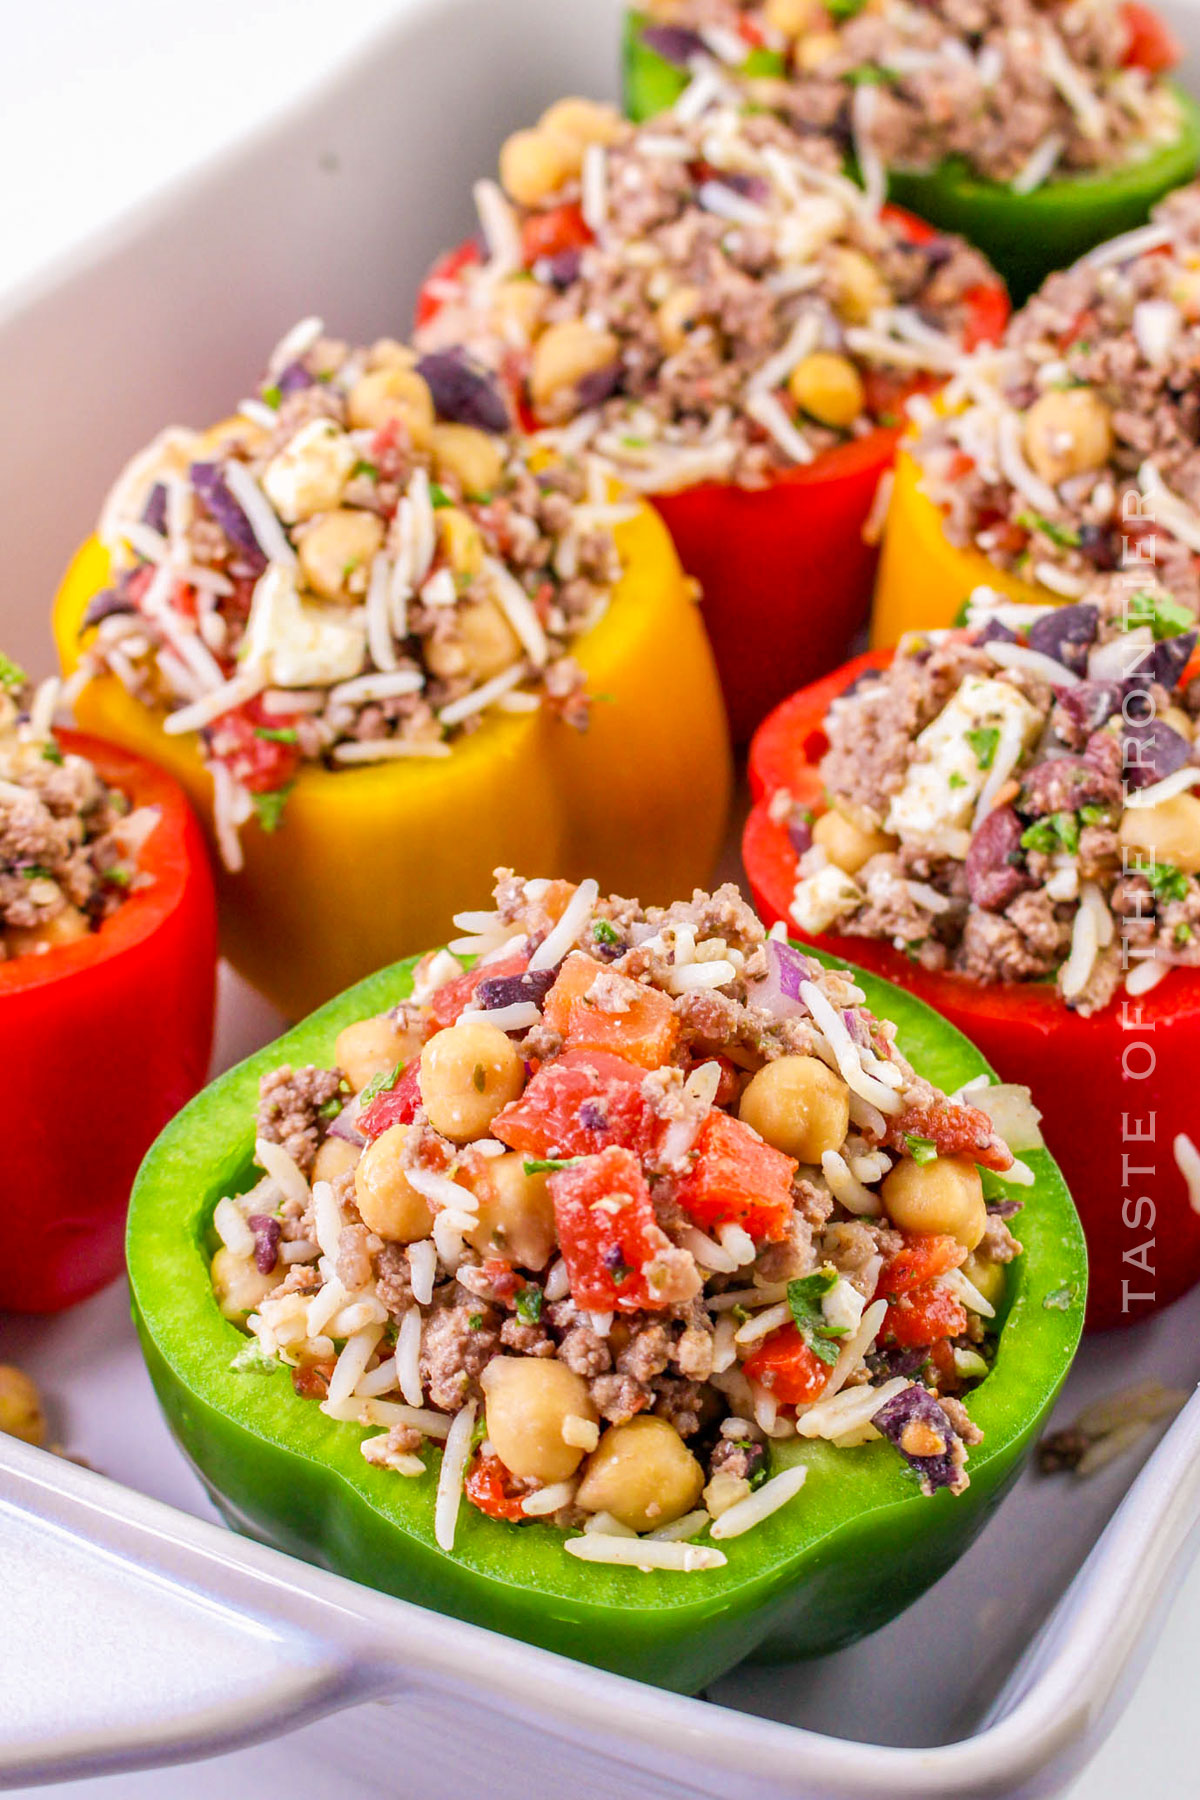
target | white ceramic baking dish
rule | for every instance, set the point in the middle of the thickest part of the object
(135, 1633)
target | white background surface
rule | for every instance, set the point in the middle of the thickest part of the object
(105, 101)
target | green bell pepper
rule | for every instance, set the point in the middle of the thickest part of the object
(1024, 236)
(858, 1545)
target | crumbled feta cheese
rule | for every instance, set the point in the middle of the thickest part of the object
(821, 899)
(843, 1307)
(948, 770)
(297, 645)
(310, 473)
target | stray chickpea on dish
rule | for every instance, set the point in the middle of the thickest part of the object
(638, 1194)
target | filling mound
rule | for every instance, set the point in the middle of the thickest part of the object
(360, 565)
(1014, 802)
(68, 842)
(703, 298)
(603, 1220)
(1019, 90)
(1069, 455)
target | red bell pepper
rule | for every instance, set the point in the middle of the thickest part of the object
(1103, 1083)
(787, 1368)
(608, 1233)
(921, 1316)
(736, 1179)
(1151, 44)
(102, 1041)
(578, 1105)
(785, 575)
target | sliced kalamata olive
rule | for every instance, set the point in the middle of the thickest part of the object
(674, 43)
(209, 484)
(1153, 751)
(750, 187)
(562, 270)
(800, 836)
(509, 990)
(294, 379)
(267, 1233)
(599, 386)
(1066, 634)
(1098, 545)
(154, 513)
(1091, 703)
(463, 394)
(992, 877)
(995, 633)
(1171, 658)
(917, 1406)
(105, 605)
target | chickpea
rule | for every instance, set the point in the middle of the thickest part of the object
(528, 1401)
(485, 644)
(373, 1047)
(642, 1473)
(238, 1285)
(1179, 721)
(678, 317)
(21, 1414)
(1168, 832)
(228, 435)
(386, 353)
(335, 1157)
(858, 287)
(468, 1072)
(815, 49)
(534, 165)
(336, 553)
(583, 121)
(828, 388)
(461, 540)
(799, 1105)
(516, 1214)
(1068, 431)
(563, 357)
(943, 1196)
(389, 394)
(66, 927)
(385, 1197)
(792, 17)
(989, 1277)
(846, 843)
(467, 455)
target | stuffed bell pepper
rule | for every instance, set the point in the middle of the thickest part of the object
(107, 988)
(1063, 465)
(731, 327)
(635, 1290)
(1005, 820)
(1036, 130)
(384, 645)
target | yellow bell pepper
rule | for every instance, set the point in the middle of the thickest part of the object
(369, 864)
(923, 577)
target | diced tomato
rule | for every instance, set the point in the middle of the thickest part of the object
(886, 390)
(607, 1232)
(736, 1179)
(263, 764)
(783, 1364)
(395, 1106)
(987, 309)
(1150, 44)
(577, 1106)
(444, 273)
(921, 1317)
(550, 233)
(925, 1256)
(960, 466)
(487, 1487)
(955, 1129)
(1080, 326)
(645, 1031)
(455, 996)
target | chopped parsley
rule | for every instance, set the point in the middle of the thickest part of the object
(871, 75)
(763, 62)
(363, 467)
(277, 734)
(1065, 536)
(844, 9)
(439, 497)
(804, 1301)
(529, 1305)
(549, 1165)
(956, 780)
(1058, 831)
(116, 876)
(12, 676)
(269, 807)
(1167, 883)
(474, 1321)
(37, 872)
(604, 933)
(273, 395)
(921, 1149)
(383, 1083)
(983, 742)
(329, 1109)
(1183, 934)
(1165, 616)
(1095, 815)
(52, 754)
(479, 1078)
